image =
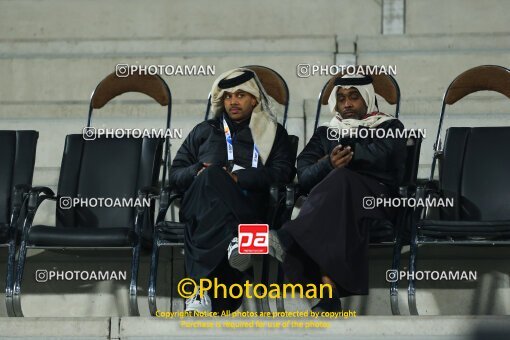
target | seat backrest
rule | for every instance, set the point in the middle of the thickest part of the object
(413, 148)
(273, 83)
(17, 158)
(474, 172)
(294, 144)
(113, 168)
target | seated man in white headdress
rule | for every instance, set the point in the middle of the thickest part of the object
(226, 166)
(328, 241)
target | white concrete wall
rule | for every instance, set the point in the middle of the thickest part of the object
(456, 16)
(75, 19)
(61, 19)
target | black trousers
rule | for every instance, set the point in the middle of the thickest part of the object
(329, 234)
(212, 209)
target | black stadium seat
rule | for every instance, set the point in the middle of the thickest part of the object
(118, 168)
(107, 168)
(473, 173)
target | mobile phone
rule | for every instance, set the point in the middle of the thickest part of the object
(338, 148)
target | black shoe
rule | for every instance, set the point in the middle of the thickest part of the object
(332, 304)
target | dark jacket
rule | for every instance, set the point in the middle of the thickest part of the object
(382, 159)
(206, 144)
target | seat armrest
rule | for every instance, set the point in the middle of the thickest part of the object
(428, 184)
(291, 192)
(274, 191)
(166, 197)
(438, 158)
(19, 193)
(149, 192)
(427, 188)
(404, 191)
(42, 190)
(34, 198)
(287, 191)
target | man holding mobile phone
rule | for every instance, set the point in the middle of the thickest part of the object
(328, 241)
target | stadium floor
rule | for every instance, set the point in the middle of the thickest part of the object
(363, 327)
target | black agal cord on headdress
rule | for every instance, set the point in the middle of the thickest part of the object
(354, 81)
(243, 78)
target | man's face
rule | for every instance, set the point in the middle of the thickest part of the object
(239, 105)
(350, 103)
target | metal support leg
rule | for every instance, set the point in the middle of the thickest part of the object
(153, 275)
(172, 272)
(16, 302)
(9, 282)
(183, 270)
(397, 249)
(411, 290)
(133, 301)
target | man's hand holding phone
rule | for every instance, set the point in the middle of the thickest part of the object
(340, 156)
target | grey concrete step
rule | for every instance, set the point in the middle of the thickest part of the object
(32, 19)
(426, 65)
(456, 16)
(363, 327)
(169, 47)
(74, 78)
(434, 43)
(353, 328)
(59, 328)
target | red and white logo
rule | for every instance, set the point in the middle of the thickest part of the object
(253, 238)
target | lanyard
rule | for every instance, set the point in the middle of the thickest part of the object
(230, 147)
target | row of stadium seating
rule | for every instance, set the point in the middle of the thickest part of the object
(472, 164)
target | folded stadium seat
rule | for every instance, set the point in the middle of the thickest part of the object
(382, 232)
(93, 166)
(480, 214)
(171, 233)
(16, 170)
